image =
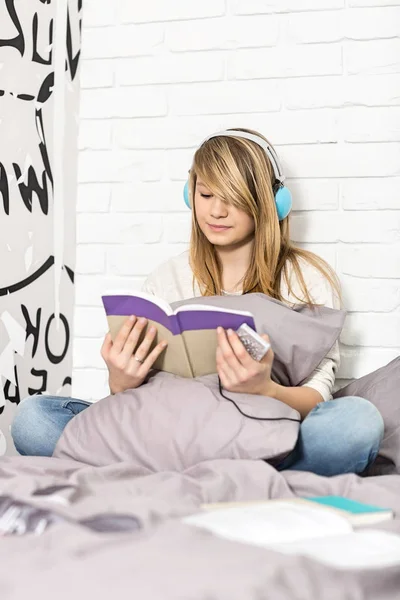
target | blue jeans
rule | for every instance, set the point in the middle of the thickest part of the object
(338, 436)
(40, 421)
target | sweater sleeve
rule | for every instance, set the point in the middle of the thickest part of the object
(322, 379)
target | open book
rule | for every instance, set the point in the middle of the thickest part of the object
(190, 330)
(320, 528)
(355, 513)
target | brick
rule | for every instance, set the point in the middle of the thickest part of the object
(370, 23)
(97, 13)
(317, 92)
(302, 127)
(176, 228)
(372, 330)
(118, 228)
(89, 288)
(147, 197)
(311, 28)
(315, 227)
(290, 61)
(140, 134)
(224, 97)
(86, 353)
(96, 74)
(370, 124)
(370, 295)
(373, 57)
(174, 10)
(223, 34)
(119, 166)
(93, 197)
(170, 69)
(178, 164)
(90, 322)
(298, 127)
(372, 90)
(117, 42)
(379, 3)
(372, 227)
(90, 384)
(246, 7)
(141, 259)
(370, 260)
(90, 259)
(357, 362)
(313, 92)
(326, 251)
(371, 193)
(334, 160)
(314, 194)
(123, 102)
(94, 135)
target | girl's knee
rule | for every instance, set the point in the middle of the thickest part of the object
(27, 410)
(29, 423)
(353, 431)
(362, 436)
(365, 418)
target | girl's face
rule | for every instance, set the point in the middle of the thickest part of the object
(223, 225)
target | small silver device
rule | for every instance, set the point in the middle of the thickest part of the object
(255, 345)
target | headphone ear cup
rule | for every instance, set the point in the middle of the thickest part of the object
(186, 194)
(283, 202)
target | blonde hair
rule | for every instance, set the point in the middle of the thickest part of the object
(239, 172)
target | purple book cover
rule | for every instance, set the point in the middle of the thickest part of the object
(186, 320)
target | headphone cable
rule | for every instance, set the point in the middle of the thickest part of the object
(251, 416)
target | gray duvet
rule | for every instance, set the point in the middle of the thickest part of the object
(166, 559)
(158, 453)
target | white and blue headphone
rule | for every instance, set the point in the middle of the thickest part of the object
(283, 197)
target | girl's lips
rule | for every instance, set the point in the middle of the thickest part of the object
(218, 227)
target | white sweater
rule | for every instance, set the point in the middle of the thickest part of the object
(173, 281)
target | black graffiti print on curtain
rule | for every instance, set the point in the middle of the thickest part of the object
(18, 41)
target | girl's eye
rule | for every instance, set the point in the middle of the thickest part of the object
(206, 195)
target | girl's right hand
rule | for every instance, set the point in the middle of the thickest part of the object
(129, 363)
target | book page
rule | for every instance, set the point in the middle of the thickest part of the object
(209, 307)
(174, 358)
(367, 549)
(165, 307)
(201, 348)
(198, 329)
(266, 524)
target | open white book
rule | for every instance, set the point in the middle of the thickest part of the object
(311, 527)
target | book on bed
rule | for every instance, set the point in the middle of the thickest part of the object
(355, 513)
(190, 330)
(325, 529)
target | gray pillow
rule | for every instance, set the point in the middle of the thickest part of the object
(382, 388)
(300, 336)
(172, 423)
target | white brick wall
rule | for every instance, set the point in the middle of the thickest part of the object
(321, 78)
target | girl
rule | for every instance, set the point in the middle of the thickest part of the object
(239, 244)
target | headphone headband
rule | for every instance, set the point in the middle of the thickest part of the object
(268, 149)
(283, 197)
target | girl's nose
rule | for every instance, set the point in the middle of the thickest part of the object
(219, 208)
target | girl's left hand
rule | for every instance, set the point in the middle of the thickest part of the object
(239, 372)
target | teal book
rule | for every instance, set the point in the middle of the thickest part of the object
(358, 513)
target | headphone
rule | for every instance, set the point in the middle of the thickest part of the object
(283, 197)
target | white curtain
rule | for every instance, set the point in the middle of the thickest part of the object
(39, 95)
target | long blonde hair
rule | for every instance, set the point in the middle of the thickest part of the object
(239, 172)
